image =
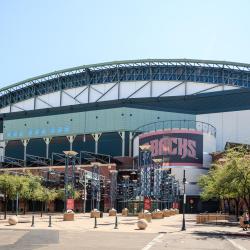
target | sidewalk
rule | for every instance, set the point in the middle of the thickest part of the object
(83, 222)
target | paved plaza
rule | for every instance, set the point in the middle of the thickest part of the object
(81, 234)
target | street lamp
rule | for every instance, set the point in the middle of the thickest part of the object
(145, 183)
(95, 186)
(113, 187)
(68, 155)
(125, 189)
(184, 201)
(134, 189)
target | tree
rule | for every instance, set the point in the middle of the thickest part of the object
(229, 180)
(47, 195)
(74, 194)
(8, 188)
(22, 188)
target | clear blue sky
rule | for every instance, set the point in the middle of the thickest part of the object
(40, 36)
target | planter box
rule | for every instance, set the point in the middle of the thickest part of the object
(140, 215)
(166, 213)
(172, 212)
(148, 217)
(68, 216)
(124, 212)
(112, 212)
(157, 215)
(95, 214)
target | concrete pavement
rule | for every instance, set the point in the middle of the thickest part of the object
(80, 234)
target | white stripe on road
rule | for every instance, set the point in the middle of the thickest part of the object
(153, 242)
(234, 243)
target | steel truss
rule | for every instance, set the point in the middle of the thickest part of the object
(95, 188)
(183, 70)
(156, 182)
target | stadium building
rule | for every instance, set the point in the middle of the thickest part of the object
(183, 109)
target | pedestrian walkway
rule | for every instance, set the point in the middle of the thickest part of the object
(83, 222)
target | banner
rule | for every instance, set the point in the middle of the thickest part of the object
(70, 204)
(147, 203)
(173, 147)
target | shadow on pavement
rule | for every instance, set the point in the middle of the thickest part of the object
(217, 235)
(34, 239)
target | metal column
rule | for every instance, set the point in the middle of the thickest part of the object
(25, 143)
(96, 138)
(71, 139)
(122, 134)
(130, 143)
(47, 141)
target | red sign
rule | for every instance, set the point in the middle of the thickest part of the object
(176, 205)
(147, 203)
(70, 204)
(181, 147)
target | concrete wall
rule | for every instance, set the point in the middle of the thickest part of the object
(230, 127)
(97, 121)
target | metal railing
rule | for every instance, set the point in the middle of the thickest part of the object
(9, 162)
(32, 160)
(177, 124)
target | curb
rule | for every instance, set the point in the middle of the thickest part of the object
(225, 234)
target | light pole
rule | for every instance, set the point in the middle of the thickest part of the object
(84, 197)
(95, 186)
(184, 201)
(146, 150)
(157, 180)
(113, 187)
(134, 188)
(68, 155)
(125, 189)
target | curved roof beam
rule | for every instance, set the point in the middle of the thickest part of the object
(113, 64)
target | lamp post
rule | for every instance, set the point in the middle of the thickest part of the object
(157, 180)
(125, 189)
(68, 155)
(146, 150)
(184, 201)
(134, 188)
(113, 187)
(84, 196)
(95, 186)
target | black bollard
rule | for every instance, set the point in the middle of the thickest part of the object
(33, 221)
(50, 225)
(116, 222)
(95, 223)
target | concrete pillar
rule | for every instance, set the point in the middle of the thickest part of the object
(122, 134)
(71, 139)
(25, 143)
(96, 137)
(47, 141)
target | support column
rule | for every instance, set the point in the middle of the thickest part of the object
(25, 143)
(71, 139)
(96, 138)
(122, 134)
(47, 141)
(130, 143)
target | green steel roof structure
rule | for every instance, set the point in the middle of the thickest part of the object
(222, 72)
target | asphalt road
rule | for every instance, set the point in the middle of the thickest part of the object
(90, 240)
